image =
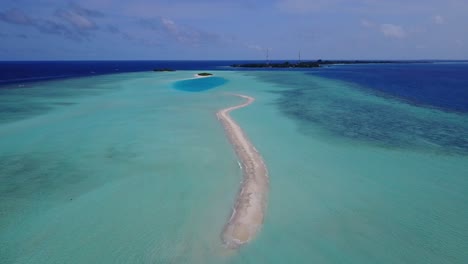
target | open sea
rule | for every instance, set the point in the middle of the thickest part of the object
(109, 162)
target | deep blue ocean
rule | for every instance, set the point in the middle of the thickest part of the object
(443, 85)
(440, 85)
(27, 71)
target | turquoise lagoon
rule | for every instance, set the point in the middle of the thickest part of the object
(199, 84)
(130, 168)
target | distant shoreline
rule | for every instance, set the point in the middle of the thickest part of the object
(319, 63)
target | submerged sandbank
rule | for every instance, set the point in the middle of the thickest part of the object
(249, 210)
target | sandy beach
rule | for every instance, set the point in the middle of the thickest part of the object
(249, 209)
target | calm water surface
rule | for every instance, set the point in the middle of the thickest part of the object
(126, 169)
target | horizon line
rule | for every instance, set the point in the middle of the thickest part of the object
(96, 60)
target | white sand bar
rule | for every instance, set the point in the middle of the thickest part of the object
(249, 210)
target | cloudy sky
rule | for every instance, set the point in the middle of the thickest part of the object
(233, 29)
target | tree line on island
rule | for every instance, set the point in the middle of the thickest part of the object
(310, 64)
(201, 74)
(301, 64)
(163, 70)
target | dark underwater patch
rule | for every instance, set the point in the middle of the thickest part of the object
(314, 104)
(443, 86)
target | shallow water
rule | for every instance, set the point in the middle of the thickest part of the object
(121, 175)
(126, 169)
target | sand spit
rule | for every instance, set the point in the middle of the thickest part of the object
(249, 210)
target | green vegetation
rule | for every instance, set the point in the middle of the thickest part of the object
(204, 74)
(286, 64)
(163, 70)
(310, 64)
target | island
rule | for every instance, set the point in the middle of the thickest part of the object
(287, 64)
(314, 64)
(163, 70)
(204, 74)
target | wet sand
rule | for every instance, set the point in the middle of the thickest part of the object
(249, 210)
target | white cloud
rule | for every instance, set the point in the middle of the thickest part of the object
(170, 26)
(73, 22)
(15, 16)
(77, 20)
(180, 33)
(439, 20)
(392, 31)
(367, 24)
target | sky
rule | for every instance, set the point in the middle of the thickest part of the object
(233, 29)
